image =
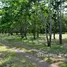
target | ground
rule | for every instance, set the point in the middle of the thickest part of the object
(17, 52)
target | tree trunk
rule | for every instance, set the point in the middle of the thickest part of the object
(54, 36)
(37, 34)
(49, 43)
(21, 33)
(60, 32)
(25, 34)
(34, 33)
(60, 26)
(17, 33)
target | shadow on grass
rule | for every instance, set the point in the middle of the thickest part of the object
(56, 49)
(12, 59)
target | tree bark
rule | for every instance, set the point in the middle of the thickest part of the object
(54, 36)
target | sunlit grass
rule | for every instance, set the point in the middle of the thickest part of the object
(63, 65)
(3, 48)
(15, 60)
(38, 44)
(10, 58)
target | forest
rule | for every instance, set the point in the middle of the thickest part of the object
(33, 33)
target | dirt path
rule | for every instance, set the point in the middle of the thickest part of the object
(33, 59)
(54, 65)
(39, 62)
(30, 57)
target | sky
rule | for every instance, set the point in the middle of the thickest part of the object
(1, 5)
(64, 11)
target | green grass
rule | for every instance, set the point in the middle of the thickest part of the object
(63, 65)
(38, 43)
(13, 59)
(3, 48)
(16, 60)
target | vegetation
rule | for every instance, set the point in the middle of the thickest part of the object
(32, 17)
(32, 24)
(12, 59)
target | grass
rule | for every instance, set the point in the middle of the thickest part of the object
(63, 65)
(16, 61)
(39, 43)
(3, 48)
(13, 59)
